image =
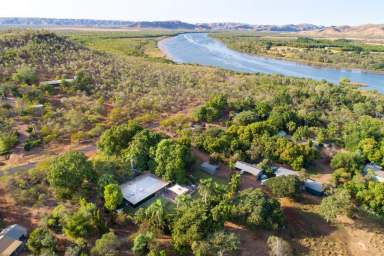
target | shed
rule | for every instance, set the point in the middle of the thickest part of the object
(178, 190)
(377, 171)
(313, 187)
(249, 168)
(281, 171)
(209, 168)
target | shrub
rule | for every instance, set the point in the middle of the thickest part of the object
(336, 204)
(41, 240)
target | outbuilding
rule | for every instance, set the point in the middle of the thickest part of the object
(248, 168)
(209, 168)
(313, 187)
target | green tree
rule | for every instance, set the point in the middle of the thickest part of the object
(85, 222)
(67, 173)
(25, 74)
(219, 243)
(336, 204)
(154, 217)
(371, 196)
(105, 180)
(284, 186)
(40, 241)
(112, 196)
(172, 160)
(143, 243)
(253, 208)
(117, 138)
(347, 165)
(107, 245)
(7, 141)
(245, 118)
(139, 151)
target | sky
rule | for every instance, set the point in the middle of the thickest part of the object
(320, 12)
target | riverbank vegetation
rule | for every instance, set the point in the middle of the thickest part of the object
(341, 53)
(150, 115)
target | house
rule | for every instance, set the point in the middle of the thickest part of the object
(209, 168)
(281, 171)
(12, 240)
(142, 188)
(313, 187)
(377, 171)
(282, 133)
(249, 168)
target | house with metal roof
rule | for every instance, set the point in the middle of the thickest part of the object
(12, 240)
(209, 168)
(142, 188)
(281, 171)
(377, 171)
(248, 168)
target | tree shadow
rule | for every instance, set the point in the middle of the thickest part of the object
(301, 224)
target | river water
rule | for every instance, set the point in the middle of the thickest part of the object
(199, 48)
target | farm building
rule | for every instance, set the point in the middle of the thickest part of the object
(209, 168)
(12, 240)
(142, 188)
(249, 168)
(281, 171)
(313, 187)
(377, 171)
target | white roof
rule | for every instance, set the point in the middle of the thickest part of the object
(248, 168)
(178, 190)
(314, 185)
(281, 171)
(142, 187)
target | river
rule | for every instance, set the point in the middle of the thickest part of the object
(200, 48)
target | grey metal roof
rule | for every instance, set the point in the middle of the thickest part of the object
(142, 187)
(210, 168)
(14, 231)
(281, 171)
(248, 168)
(314, 185)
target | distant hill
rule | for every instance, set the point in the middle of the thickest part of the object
(48, 22)
(365, 31)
